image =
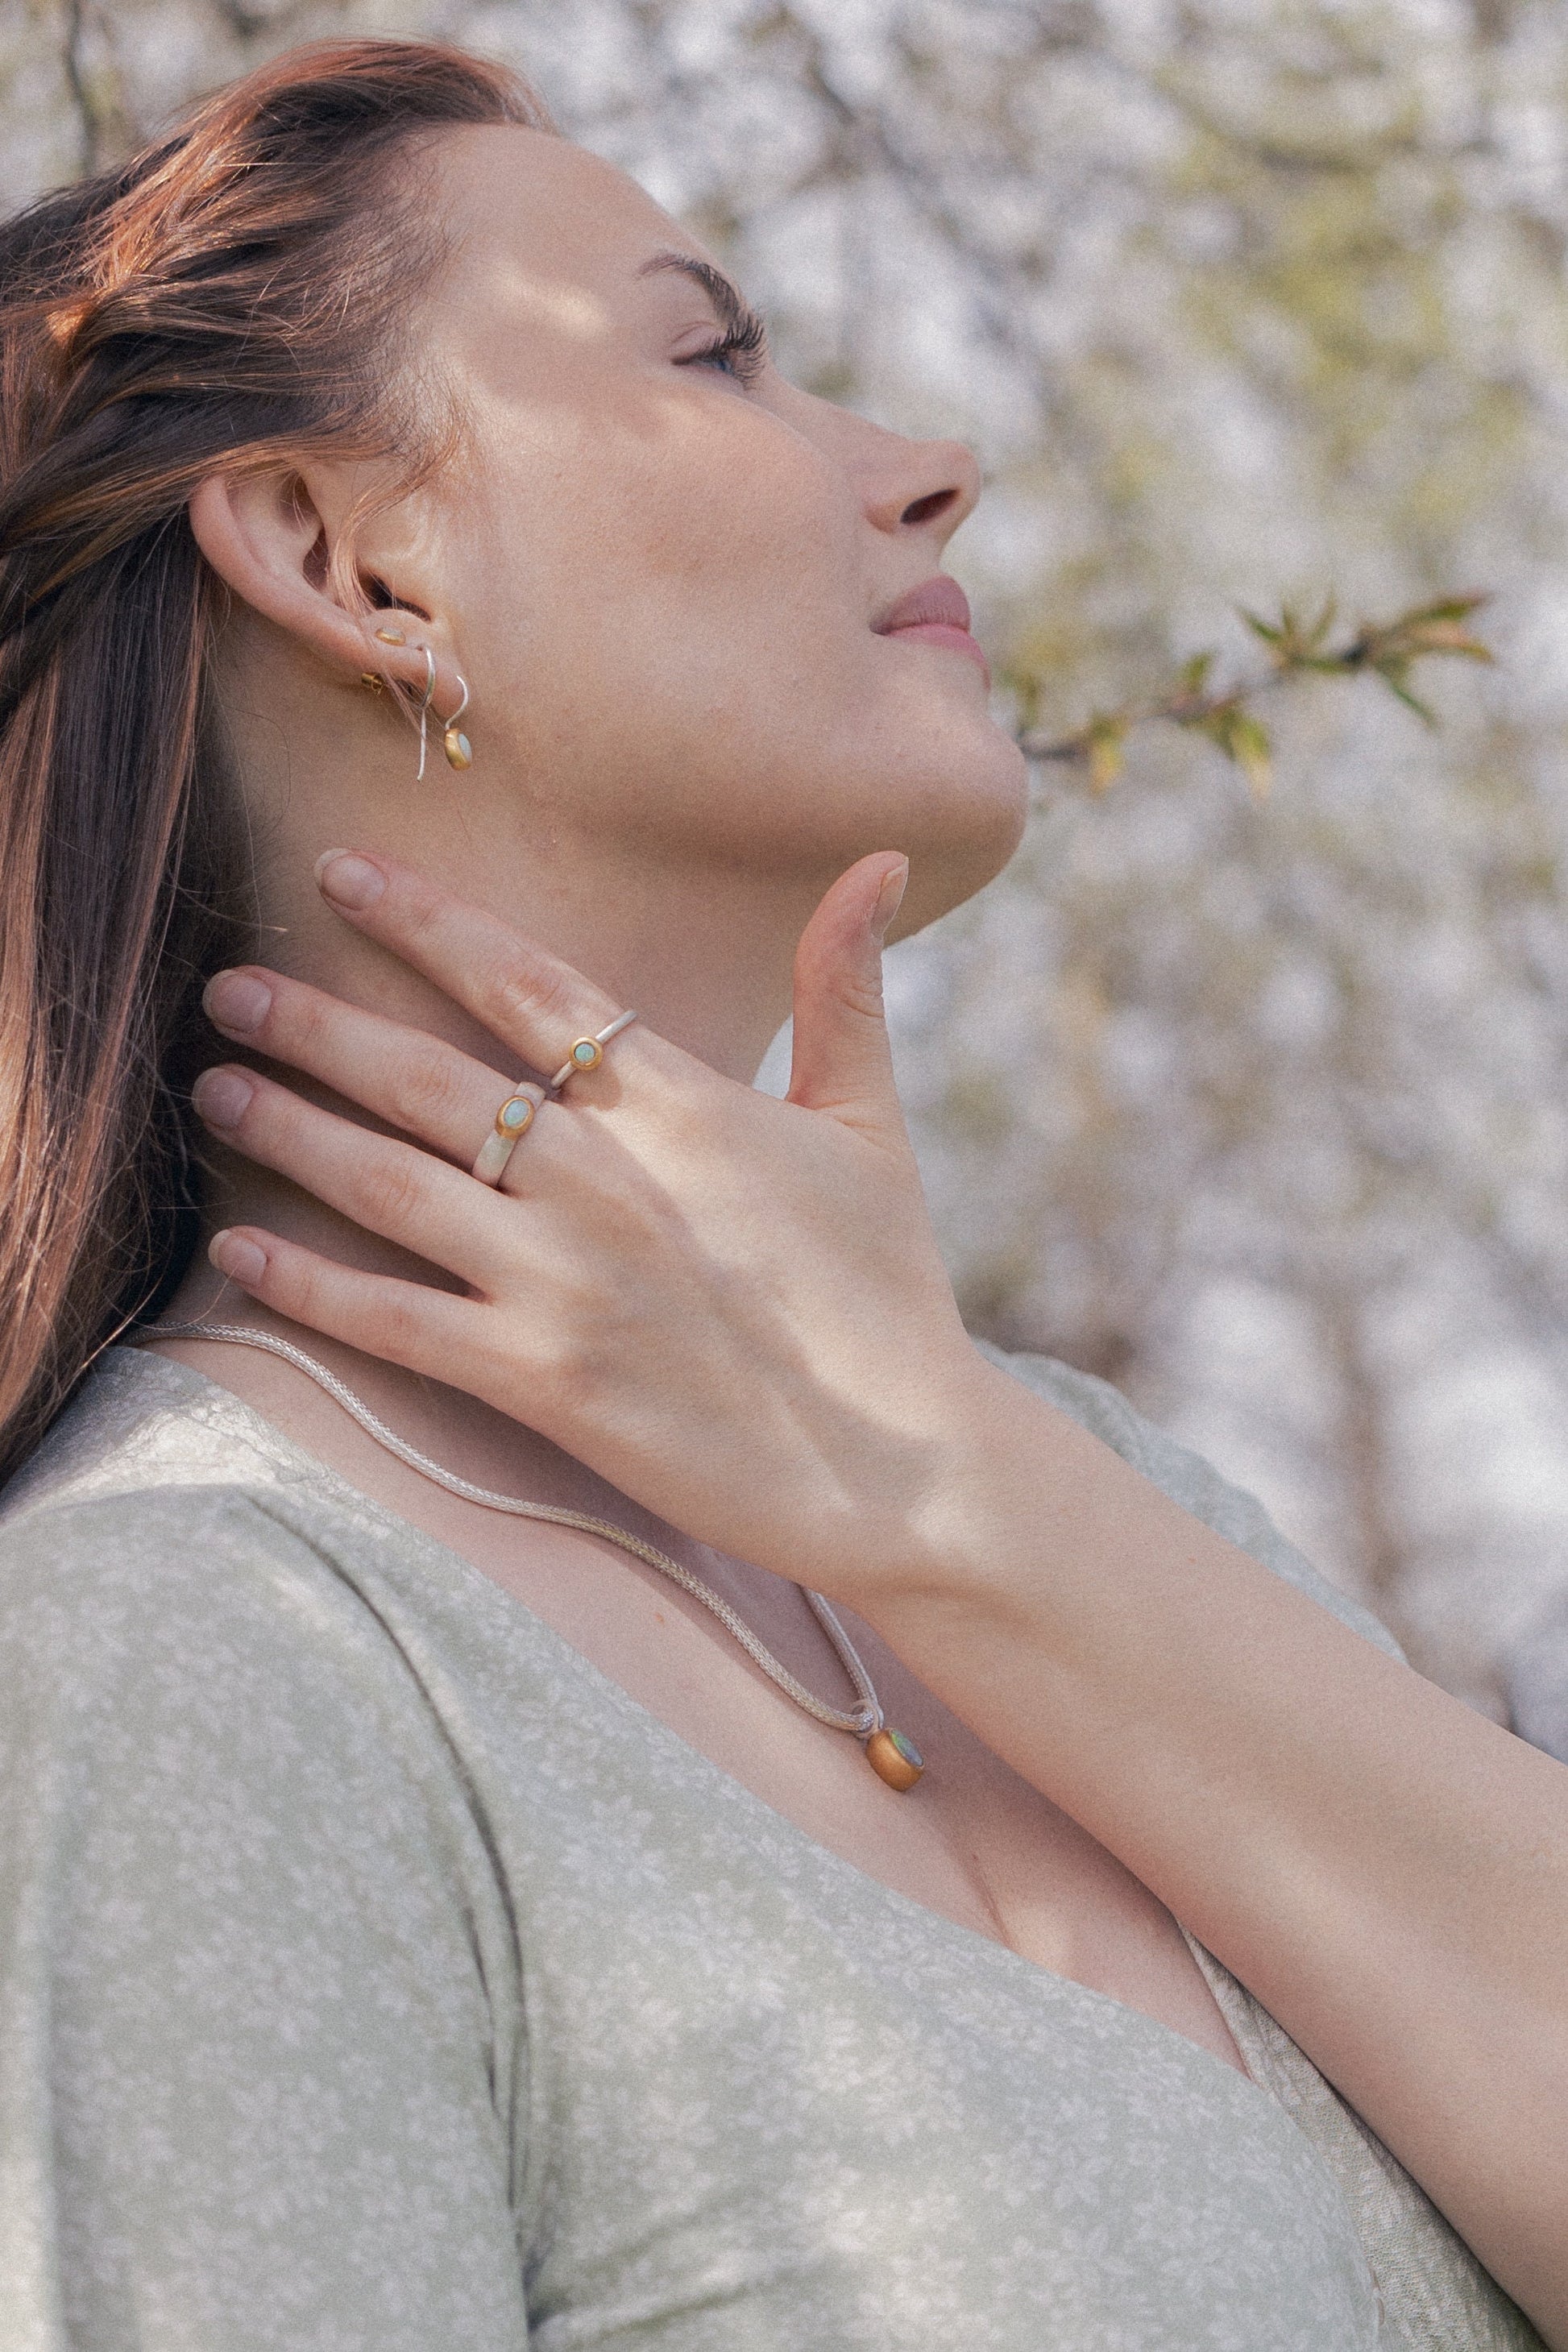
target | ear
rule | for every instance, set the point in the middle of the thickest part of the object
(264, 537)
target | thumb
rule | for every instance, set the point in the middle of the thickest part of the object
(841, 1060)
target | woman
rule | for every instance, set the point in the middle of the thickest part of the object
(428, 1924)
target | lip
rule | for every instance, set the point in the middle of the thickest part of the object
(937, 613)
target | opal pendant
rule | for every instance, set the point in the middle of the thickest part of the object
(894, 1757)
(459, 750)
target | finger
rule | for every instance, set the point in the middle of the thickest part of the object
(842, 1061)
(387, 1186)
(411, 1080)
(409, 1323)
(522, 994)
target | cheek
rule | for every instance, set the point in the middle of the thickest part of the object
(697, 547)
(674, 610)
(731, 583)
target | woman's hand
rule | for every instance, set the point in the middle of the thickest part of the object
(731, 1307)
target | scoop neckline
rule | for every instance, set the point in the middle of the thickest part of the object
(266, 1439)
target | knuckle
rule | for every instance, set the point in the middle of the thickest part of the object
(525, 993)
(295, 1282)
(568, 1376)
(291, 1283)
(299, 1019)
(571, 1355)
(525, 988)
(417, 906)
(427, 1091)
(393, 1329)
(388, 1191)
(861, 994)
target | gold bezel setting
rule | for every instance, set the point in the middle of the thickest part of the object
(515, 1116)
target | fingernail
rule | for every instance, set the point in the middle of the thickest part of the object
(350, 881)
(221, 1096)
(240, 1259)
(890, 899)
(237, 1001)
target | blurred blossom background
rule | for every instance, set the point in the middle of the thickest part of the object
(1257, 1104)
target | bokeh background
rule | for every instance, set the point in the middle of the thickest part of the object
(1258, 1106)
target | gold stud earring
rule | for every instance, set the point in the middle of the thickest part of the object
(392, 637)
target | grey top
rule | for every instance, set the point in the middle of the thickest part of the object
(1536, 1678)
(376, 1976)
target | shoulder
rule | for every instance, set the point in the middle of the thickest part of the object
(175, 1658)
(184, 1646)
(203, 1572)
(1186, 1477)
(255, 1936)
(145, 1527)
(202, 1710)
(195, 1623)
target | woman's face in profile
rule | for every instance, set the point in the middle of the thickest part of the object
(668, 573)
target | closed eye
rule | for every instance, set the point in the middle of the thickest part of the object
(740, 347)
(741, 353)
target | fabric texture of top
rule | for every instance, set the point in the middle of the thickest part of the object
(377, 1976)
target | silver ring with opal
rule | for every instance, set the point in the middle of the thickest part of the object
(588, 1053)
(513, 1121)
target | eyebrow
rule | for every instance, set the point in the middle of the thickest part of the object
(736, 315)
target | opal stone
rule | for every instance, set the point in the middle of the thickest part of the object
(515, 1116)
(459, 750)
(894, 1757)
(586, 1052)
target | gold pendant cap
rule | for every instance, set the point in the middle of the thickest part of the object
(894, 1757)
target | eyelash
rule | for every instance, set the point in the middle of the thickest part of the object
(741, 354)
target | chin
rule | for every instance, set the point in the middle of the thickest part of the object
(960, 825)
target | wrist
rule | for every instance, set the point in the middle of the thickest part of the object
(967, 1526)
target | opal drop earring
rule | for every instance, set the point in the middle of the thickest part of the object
(454, 743)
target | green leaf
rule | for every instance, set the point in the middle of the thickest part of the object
(1105, 742)
(1251, 749)
(1392, 674)
(1448, 608)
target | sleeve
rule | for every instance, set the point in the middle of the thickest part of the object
(251, 2098)
(1535, 1678)
(1188, 1480)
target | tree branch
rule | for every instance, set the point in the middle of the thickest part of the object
(1386, 650)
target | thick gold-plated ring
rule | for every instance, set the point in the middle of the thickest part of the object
(513, 1121)
(588, 1053)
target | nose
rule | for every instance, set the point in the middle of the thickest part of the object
(925, 487)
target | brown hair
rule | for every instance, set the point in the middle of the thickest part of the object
(230, 297)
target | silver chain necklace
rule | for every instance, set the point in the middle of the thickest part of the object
(890, 1754)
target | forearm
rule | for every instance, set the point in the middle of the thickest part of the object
(1386, 1870)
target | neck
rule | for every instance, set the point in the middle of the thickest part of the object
(705, 957)
(704, 953)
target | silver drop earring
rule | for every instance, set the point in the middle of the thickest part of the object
(454, 743)
(425, 706)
